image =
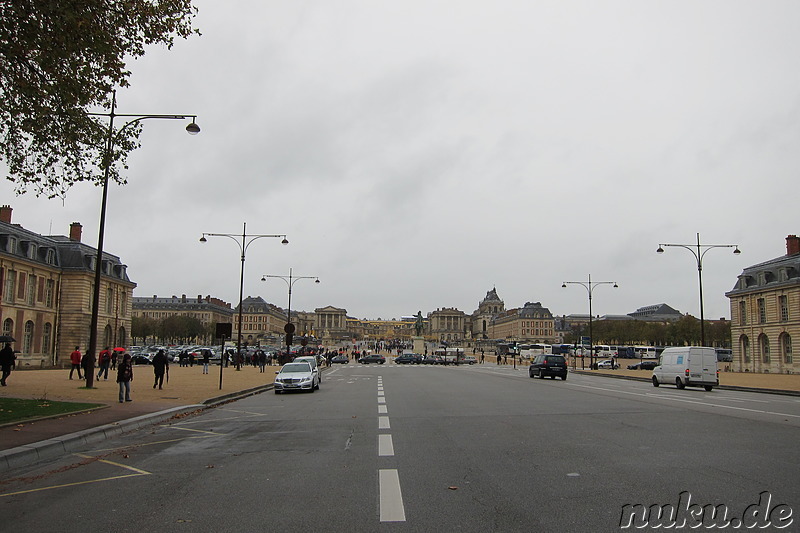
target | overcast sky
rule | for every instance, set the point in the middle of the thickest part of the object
(419, 153)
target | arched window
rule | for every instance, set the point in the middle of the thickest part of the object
(27, 339)
(763, 342)
(8, 326)
(745, 344)
(47, 333)
(786, 347)
(107, 339)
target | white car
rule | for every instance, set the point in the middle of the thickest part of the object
(296, 376)
(608, 363)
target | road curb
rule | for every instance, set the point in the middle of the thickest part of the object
(720, 387)
(58, 446)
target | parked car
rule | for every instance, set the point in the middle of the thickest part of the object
(372, 358)
(341, 359)
(548, 365)
(644, 365)
(296, 376)
(607, 363)
(432, 360)
(469, 360)
(408, 359)
(141, 358)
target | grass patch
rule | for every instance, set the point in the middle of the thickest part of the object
(18, 410)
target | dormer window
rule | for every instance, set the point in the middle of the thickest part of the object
(12, 245)
(32, 251)
(50, 256)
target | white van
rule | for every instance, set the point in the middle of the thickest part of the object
(694, 366)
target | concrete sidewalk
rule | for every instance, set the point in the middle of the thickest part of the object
(188, 390)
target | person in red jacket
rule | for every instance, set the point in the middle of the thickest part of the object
(75, 357)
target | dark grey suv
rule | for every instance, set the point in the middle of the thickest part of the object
(548, 365)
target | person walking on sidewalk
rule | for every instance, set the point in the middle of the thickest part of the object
(104, 362)
(7, 361)
(160, 365)
(124, 378)
(206, 359)
(75, 359)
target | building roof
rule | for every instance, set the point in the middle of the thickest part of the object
(776, 273)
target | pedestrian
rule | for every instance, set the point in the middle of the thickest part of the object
(114, 355)
(7, 361)
(160, 365)
(104, 362)
(206, 358)
(481, 356)
(124, 378)
(75, 358)
(87, 363)
(262, 360)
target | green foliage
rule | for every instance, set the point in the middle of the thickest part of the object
(685, 331)
(58, 61)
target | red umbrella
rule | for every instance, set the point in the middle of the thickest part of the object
(118, 349)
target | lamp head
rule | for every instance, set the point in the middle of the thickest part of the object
(263, 278)
(203, 238)
(193, 128)
(737, 251)
(564, 285)
(660, 249)
(284, 241)
(316, 280)
(615, 285)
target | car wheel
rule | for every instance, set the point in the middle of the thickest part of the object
(541, 374)
(708, 388)
(530, 373)
(655, 381)
(679, 383)
(552, 376)
(564, 377)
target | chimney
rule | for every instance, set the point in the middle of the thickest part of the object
(5, 214)
(792, 245)
(75, 230)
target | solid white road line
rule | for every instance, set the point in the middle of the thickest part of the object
(391, 499)
(385, 446)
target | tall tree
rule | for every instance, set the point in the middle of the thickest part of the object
(61, 59)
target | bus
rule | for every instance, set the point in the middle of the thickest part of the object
(646, 352)
(527, 351)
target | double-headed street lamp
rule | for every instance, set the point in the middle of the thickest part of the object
(243, 244)
(699, 251)
(589, 286)
(113, 135)
(290, 281)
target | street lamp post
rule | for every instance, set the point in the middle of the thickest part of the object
(192, 129)
(699, 251)
(243, 244)
(290, 281)
(589, 288)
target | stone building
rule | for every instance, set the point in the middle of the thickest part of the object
(447, 324)
(330, 323)
(262, 322)
(481, 320)
(530, 323)
(765, 314)
(207, 310)
(46, 289)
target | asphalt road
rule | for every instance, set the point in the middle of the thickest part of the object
(420, 448)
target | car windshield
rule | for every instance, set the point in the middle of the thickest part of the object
(296, 367)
